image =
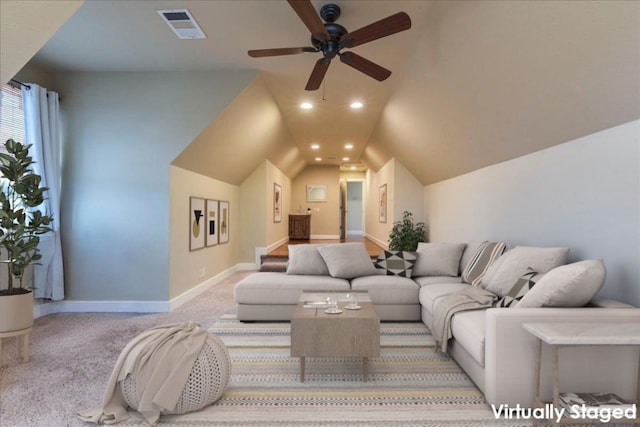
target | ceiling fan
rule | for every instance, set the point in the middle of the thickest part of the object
(331, 38)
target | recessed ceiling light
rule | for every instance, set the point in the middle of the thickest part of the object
(318, 159)
(345, 159)
(348, 146)
(353, 168)
(315, 146)
(306, 106)
(356, 104)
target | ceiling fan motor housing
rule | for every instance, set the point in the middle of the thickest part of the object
(330, 12)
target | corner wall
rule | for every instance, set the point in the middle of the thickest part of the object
(185, 265)
(584, 194)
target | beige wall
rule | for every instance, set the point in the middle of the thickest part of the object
(277, 232)
(256, 195)
(404, 193)
(376, 230)
(185, 265)
(325, 216)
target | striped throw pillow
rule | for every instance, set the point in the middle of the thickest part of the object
(481, 261)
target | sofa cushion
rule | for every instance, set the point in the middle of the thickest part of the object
(280, 288)
(486, 254)
(431, 295)
(433, 280)
(468, 329)
(438, 259)
(305, 259)
(519, 289)
(501, 276)
(388, 289)
(396, 263)
(347, 260)
(572, 285)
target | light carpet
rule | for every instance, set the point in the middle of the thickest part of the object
(409, 384)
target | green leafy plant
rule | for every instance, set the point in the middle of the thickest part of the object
(20, 224)
(405, 235)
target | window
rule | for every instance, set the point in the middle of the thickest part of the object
(11, 115)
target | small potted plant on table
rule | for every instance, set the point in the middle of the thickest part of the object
(21, 225)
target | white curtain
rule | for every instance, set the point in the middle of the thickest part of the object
(42, 130)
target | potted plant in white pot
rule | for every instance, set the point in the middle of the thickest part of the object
(20, 228)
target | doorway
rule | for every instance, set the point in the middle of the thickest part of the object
(354, 215)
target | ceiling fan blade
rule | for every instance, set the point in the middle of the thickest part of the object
(317, 75)
(364, 65)
(310, 18)
(259, 53)
(382, 28)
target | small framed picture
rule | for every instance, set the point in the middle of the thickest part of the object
(212, 222)
(223, 227)
(196, 223)
(277, 203)
(382, 204)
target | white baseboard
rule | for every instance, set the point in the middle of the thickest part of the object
(46, 308)
(355, 233)
(377, 241)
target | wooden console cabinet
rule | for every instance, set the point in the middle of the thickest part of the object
(299, 227)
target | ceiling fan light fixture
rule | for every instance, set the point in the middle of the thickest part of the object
(306, 106)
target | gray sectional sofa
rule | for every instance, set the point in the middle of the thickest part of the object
(489, 344)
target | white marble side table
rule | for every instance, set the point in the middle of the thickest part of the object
(557, 334)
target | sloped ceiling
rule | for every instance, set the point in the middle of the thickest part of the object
(25, 27)
(249, 130)
(491, 81)
(474, 82)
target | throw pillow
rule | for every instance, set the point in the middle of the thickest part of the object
(438, 259)
(501, 276)
(469, 251)
(305, 259)
(484, 257)
(396, 263)
(519, 289)
(347, 260)
(571, 285)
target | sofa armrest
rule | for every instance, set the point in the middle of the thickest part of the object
(510, 356)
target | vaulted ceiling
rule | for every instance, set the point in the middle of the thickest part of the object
(474, 83)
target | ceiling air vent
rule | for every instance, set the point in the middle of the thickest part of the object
(182, 23)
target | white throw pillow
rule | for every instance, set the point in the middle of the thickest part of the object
(515, 262)
(347, 260)
(571, 285)
(438, 259)
(305, 259)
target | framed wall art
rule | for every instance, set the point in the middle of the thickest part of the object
(223, 227)
(277, 203)
(211, 221)
(196, 223)
(382, 204)
(316, 193)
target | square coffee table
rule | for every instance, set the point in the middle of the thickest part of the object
(352, 333)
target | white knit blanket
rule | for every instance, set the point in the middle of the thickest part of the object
(471, 298)
(160, 360)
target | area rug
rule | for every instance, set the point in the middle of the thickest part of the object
(410, 384)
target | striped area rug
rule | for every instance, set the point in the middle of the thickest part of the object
(409, 385)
